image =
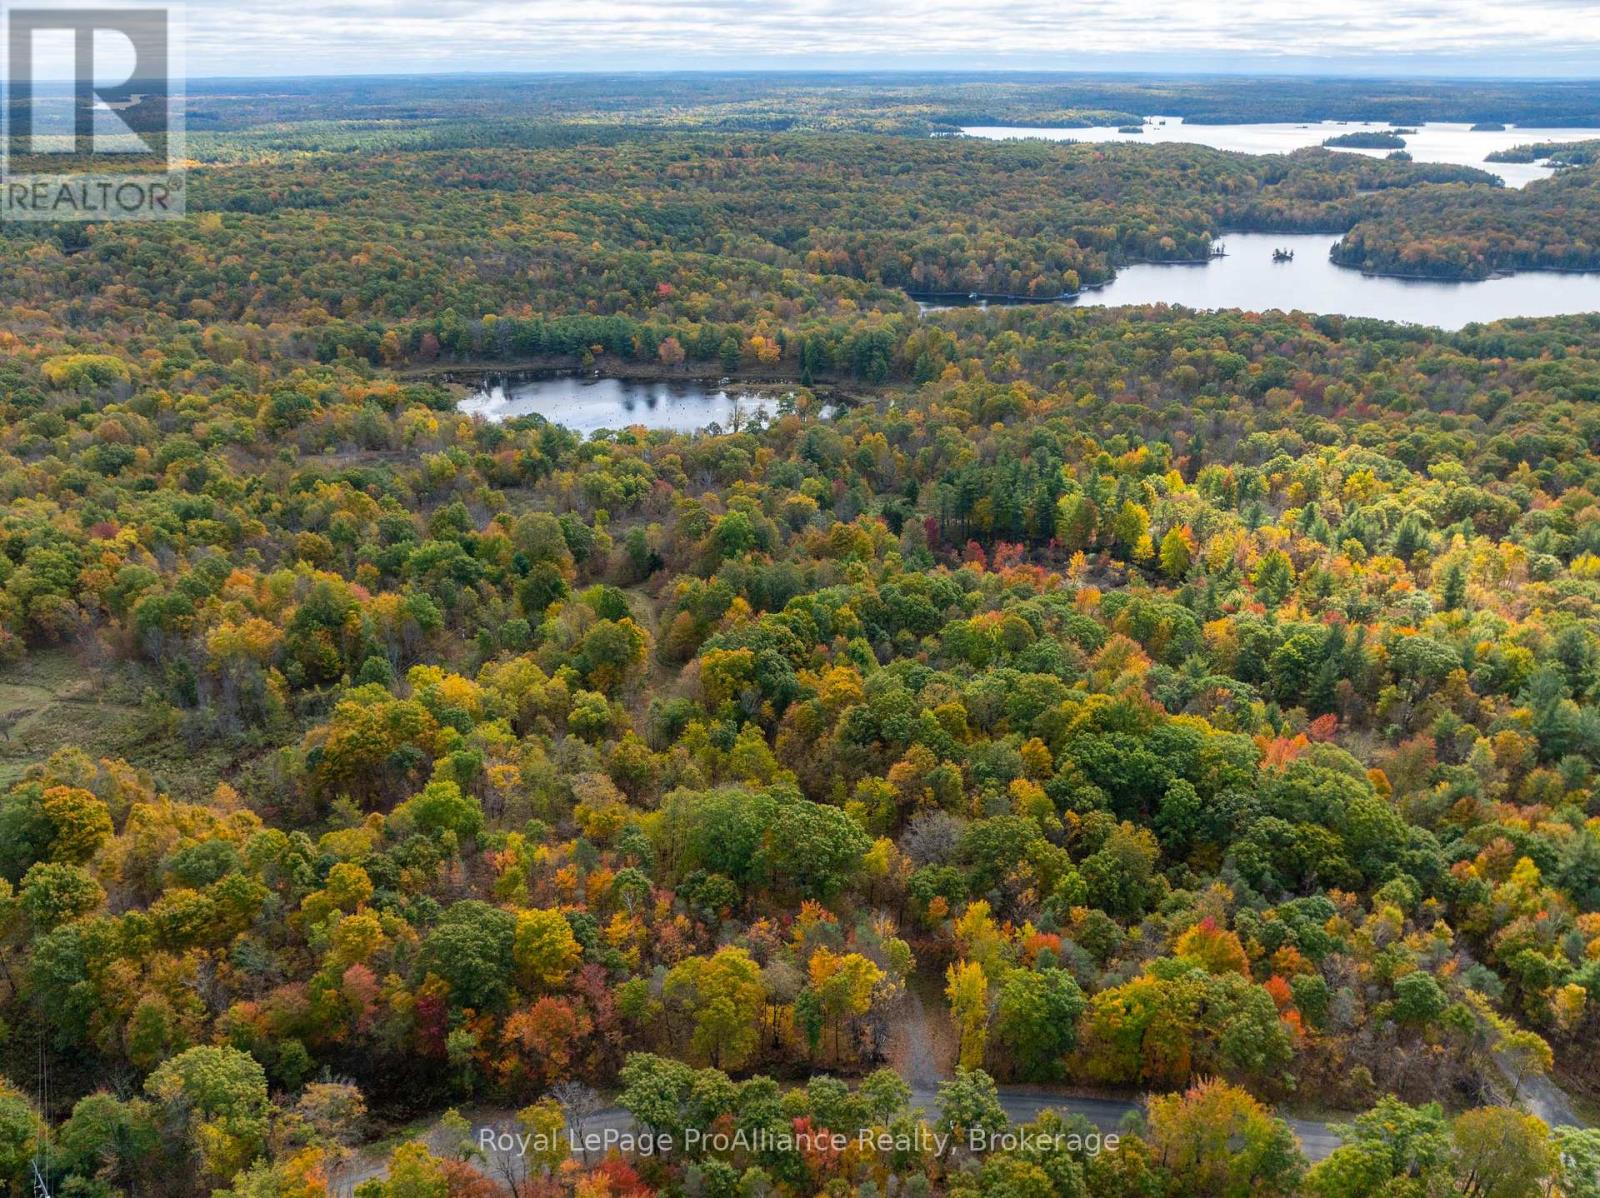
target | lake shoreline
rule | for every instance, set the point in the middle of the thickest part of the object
(952, 299)
(556, 366)
(1450, 143)
(588, 400)
(1248, 279)
(1488, 278)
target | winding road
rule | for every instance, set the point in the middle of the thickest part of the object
(920, 1052)
(1022, 1104)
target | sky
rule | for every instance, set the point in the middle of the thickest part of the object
(1393, 37)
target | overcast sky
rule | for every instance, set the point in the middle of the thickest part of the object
(290, 37)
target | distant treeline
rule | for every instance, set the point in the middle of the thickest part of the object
(890, 103)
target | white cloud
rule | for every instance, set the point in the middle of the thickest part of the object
(362, 36)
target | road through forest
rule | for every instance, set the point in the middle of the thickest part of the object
(920, 1051)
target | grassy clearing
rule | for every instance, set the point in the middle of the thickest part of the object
(52, 699)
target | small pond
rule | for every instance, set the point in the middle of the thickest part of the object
(585, 404)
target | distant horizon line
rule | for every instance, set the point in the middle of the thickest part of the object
(1351, 74)
(999, 74)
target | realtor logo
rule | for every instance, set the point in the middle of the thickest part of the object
(91, 123)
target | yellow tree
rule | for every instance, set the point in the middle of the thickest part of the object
(1214, 949)
(723, 996)
(978, 939)
(1177, 551)
(1502, 1153)
(545, 950)
(546, 1126)
(968, 992)
(844, 985)
(1219, 1142)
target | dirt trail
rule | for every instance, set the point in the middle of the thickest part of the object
(1542, 1097)
(922, 1047)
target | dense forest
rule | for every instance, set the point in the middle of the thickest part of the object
(1470, 233)
(1561, 153)
(1202, 709)
(915, 103)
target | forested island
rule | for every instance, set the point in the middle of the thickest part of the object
(1366, 139)
(1560, 153)
(1196, 711)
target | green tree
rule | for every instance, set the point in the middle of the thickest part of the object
(969, 1108)
(655, 1091)
(1036, 1021)
(20, 1128)
(812, 847)
(471, 948)
(1273, 577)
(1077, 520)
(1120, 875)
(54, 894)
(1578, 1153)
(109, 1139)
(219, 1097)
(442, 808)
(1418, 999)
(1390, 1146)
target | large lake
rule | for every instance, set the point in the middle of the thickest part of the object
(1248, 278)
(586, 404)
(1434, 142)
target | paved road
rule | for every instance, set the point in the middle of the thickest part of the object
(1022, 1104)
(918, 1052)
(923, 1059)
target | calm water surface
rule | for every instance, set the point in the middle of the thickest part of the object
(1433, 142)
(1248, 278)
(587, 404)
